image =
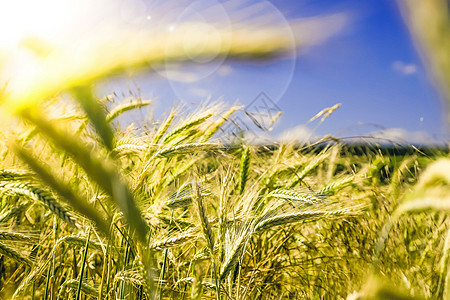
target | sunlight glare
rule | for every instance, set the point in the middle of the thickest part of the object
(32, 34)
(23, 18)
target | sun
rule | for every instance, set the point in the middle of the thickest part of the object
(43, 19)
(33, 33)
(30, 30)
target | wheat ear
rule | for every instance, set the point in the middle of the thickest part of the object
(163, 128)
(13, 212)
(129, 145)
(173, 241)
(46, 198)
(131, 276)
(7, 251)
(73, 284)
(185, 127)
(335, 186)
(307, 169)
(295, 217)
(213, 129)
(117, 111)
(96, 113)
(207, 231)
(187, 148)
(233, 253)
(101, 170)
(442, 288)
(78, 241)
(206, 226)
(14, 236)
(13, 175)
(184, 196)
(295, 196)
(208, 285)
(63, 189)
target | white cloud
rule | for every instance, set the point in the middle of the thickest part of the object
(317, 30)
(402, 136)
(404, 68)
(178, 75)
(225, 70)
(297, 134)
(258, 138)
(199, 92)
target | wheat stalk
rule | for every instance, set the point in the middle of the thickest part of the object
(244, 169)
(35, 272)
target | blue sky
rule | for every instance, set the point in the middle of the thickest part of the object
(370, 66)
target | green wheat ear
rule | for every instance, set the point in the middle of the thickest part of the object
(163, 128)
(310, 167)
(185, 128)
(213, 129)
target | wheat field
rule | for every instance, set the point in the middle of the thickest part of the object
(168, 209)
(91, 210)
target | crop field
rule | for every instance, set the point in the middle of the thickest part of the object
(90, 210)
(167, 209)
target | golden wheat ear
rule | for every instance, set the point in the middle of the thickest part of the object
(127, 106)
